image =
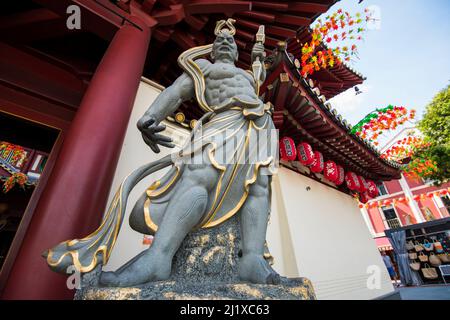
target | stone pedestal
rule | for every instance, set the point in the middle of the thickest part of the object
(205, 267)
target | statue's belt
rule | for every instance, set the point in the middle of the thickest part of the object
(248, 110)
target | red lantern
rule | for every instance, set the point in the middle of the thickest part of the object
(363, 197)
(362, 184)
(287, 149)
(331, 171)
(372, 189)
(305, 154)
(352, 181)
(317, 165)
(341, 176)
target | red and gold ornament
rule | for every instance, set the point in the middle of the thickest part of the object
(341, 176)
(317, 165)
(305, 154)
(352, 181)
(331, 171)
(288, 152)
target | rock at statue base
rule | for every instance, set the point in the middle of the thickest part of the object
(204, 267)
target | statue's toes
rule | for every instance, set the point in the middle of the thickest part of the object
(273, 278)
(109, 279)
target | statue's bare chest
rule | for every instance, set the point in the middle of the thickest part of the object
(225, 81)
(229, 75)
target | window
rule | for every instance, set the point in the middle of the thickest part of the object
(391, 217)
(446, 201)
(382, 189)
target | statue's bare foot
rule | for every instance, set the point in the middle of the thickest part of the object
(145, 267)
(254, 268)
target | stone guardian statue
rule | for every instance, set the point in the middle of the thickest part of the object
(200, 190)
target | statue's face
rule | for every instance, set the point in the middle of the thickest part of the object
(224, 47)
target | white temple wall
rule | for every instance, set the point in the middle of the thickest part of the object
(319, 233)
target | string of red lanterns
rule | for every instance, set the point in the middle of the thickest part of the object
(363, 189)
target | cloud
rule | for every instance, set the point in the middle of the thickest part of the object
(348, 102)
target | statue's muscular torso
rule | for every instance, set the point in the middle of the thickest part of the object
(224, 81)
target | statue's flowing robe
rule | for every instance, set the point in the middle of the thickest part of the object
(240, 142)
(237, 147)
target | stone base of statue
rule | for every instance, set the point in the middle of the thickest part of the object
(205, 267)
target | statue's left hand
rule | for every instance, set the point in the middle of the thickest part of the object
(149, 128)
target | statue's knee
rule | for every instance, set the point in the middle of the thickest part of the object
(195, 202)
(205, 177)
(261, 187)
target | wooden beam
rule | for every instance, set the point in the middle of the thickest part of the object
(270, 5)
(197, 22)
(183, 39)
(293, 20)
(216, 6)
(261, 16)
(297, 106)
(163, 34)
(282, 90)
(169, 16)
(308, 7)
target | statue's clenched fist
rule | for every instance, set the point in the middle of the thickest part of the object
(149, 128)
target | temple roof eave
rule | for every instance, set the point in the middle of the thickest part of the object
(309, 115)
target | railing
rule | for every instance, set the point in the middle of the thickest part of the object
(393, 223)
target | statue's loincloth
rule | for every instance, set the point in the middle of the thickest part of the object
(239, 148)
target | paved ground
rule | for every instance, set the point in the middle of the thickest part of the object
(438, 292)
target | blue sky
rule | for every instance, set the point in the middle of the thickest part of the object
(406, 61)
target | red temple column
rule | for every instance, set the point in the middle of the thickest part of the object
(75, 196)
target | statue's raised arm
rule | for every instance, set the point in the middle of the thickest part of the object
(164, 105)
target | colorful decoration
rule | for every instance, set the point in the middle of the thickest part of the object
(305, 154)
(331, 171)
(288, 151)
(420, 168)
(404, 148)
(340, 27)
(317, 165)
(380, 120)
(19, 178)
(12, 153)
(352, 181)
(395, 201)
